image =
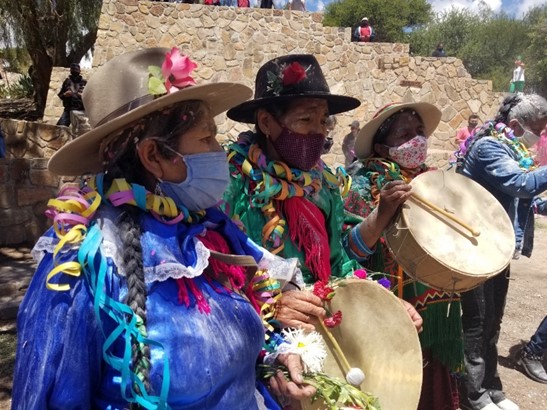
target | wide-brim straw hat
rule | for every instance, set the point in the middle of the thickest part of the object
(117, 95)
(286, 78)
(430, 115)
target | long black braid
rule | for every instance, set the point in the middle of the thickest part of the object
(122, 161)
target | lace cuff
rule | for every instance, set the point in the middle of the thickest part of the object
(283, 348)
(283, 270)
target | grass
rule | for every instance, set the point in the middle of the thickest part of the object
(8, 340)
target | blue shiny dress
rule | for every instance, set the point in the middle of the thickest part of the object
(211, 357)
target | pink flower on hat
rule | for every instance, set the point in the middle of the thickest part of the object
(176, 70)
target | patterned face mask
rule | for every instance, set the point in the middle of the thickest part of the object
(411, 154)
(301, 151)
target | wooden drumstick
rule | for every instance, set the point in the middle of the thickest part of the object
(336, 347)
(424, 201)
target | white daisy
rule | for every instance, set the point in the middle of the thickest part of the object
(310, 347)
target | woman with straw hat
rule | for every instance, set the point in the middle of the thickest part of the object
(141, 297)
(391, 150)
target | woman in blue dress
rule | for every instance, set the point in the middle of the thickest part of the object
(142, 297)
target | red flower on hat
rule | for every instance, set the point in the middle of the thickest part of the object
(176, 70)
(293, 74)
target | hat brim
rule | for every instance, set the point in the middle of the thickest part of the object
(430, 115)
(81, 155)
(245, 112)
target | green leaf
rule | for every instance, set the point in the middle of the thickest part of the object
(156, 86)
(155, 71)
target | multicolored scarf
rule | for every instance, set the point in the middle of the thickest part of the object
(505, 135)
(381, 171)
(73, 213)
(280, 192)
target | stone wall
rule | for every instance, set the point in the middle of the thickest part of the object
(231, 44)
(25, 183)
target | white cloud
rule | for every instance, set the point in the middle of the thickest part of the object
(525, 5)
(516, 8)
(445, 5)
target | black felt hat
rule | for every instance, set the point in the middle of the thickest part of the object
(288, 77)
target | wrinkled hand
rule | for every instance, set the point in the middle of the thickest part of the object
(414, 315)
(294, 388)
(298, 309)
(392, 196)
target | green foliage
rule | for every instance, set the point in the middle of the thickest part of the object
(54, 33)
(488, 44)
(21, 89)
(387, 17)
(17, 58)
(8, 342)
(452, 28)
(332, 391)
(536, 54)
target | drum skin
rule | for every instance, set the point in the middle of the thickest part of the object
(439, 252)
(376, 335)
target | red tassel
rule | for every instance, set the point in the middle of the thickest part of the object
(307, 229)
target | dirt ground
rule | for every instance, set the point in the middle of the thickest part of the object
(526, 307)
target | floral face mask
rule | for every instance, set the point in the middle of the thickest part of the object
(411, 154)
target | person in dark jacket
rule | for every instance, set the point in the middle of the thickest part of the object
(71, 94)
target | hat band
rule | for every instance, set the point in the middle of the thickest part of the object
(124, 109)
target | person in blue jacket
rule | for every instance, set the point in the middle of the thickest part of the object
(495, 158)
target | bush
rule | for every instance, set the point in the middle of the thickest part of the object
(21, 89)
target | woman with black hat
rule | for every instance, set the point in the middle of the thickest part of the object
(141, 298)
(391, 150)
(285, 196)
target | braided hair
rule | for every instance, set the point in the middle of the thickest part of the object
(525, 108)
(122, 161)
(506, 106)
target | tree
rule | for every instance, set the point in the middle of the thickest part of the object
(388, 17)
(535, 55)
(452, 28)
(53, 32)
(487, 42)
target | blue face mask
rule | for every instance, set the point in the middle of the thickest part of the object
(207, 177)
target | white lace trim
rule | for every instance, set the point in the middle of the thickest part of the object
(283, 348)
(152, 274)
(44, 245)
(177, 270)
(284, 270)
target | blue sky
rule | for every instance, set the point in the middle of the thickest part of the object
(513, 7)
